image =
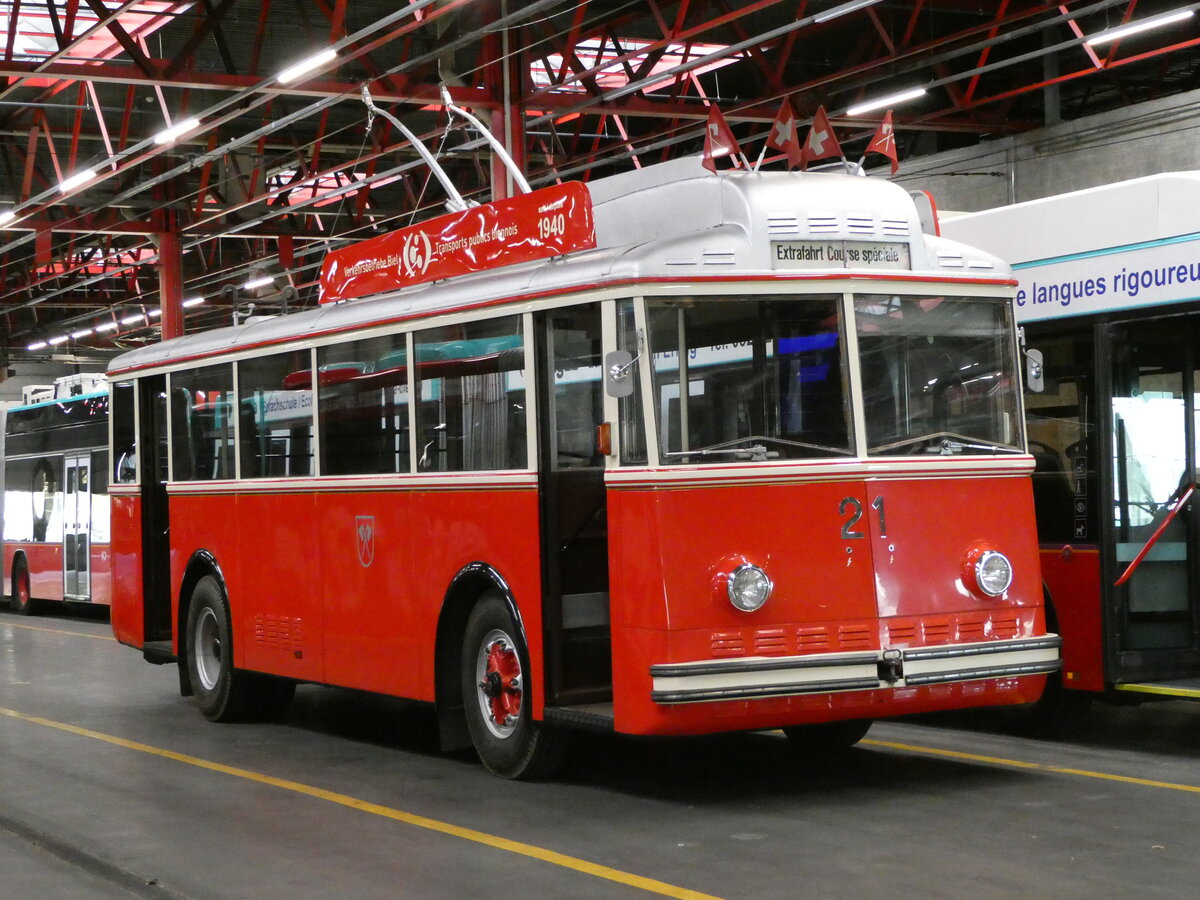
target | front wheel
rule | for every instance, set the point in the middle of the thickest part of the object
(223, 693)
(495, 663)
(22, 600)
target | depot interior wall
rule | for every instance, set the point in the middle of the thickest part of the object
(1145, 139)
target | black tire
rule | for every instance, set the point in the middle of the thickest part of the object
(22, 601)
(223, 693)
(826, 738)
(497, 700)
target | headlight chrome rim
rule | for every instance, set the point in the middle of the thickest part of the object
(993, 573)
(749, 588)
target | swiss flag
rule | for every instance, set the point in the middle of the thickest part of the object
(783, 134)
(884, 142)
(718, 139)
(821, 143)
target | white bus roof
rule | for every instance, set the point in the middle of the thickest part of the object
(1100, 218)
(1125, 246)
(674, 221)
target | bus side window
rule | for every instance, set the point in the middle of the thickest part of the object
(202, 424)
(632, 423)
(363, 406)
(472, 397)
(275, 405)
(124, 437)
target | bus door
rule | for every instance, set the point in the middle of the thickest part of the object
(1155, 551)
(77, 526)
(573, 507)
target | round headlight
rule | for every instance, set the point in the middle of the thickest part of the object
(993, 573)
(749, 587)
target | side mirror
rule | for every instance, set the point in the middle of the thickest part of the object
(618, 373)
(1035, 373)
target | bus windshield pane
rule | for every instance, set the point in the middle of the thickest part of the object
(763, 374)
(937, 375)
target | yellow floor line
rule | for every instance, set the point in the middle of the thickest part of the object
(1020, 764)
(467, 834)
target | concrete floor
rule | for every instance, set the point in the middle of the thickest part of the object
(111, 785)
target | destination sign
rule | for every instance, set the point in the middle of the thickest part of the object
(839, 255)
(547, 222)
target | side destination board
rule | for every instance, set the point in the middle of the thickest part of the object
(547, 222)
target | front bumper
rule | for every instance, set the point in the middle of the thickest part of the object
(819, 673)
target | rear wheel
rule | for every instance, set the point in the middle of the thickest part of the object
(22, 600)
(495, 663)
(223, 693)
(827, 737)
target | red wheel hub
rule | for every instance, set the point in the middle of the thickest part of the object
(502, 682)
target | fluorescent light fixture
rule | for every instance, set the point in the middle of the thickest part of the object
(130, 320)
(76, 335)
(293, 73)
(176, 131)
(1115, 34)
(57, 339)
(257, 283)
(106, 326)
(81, 177)
(37, 345)
(6, 217)
(154, 314)
(843, 9)
(195, 301)
(890, 100)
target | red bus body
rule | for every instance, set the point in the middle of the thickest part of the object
(623, 602)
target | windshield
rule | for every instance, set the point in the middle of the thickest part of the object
(937, 375)
(764, 378)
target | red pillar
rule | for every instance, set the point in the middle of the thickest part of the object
(170, 283)
(503, 78)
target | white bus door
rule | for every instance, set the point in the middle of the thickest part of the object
(77, 528)
(1154, 414)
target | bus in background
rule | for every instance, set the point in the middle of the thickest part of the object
(569, 461)
(1109, 300)
(56, 515)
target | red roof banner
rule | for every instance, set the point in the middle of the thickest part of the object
(547, 222)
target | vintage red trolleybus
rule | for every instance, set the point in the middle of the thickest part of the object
(56, 514)
(670, 453)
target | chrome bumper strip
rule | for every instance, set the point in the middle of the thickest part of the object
(760, 677)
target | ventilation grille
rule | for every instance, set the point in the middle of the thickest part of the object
(935, 632)
(823, 225)
(860, 225)
(895, 227)
(728, 643)
(783, 226)
(282, 632)
(855, 637)
(719, 258)
(901, 635)
(793, 641)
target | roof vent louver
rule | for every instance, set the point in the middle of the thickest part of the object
(783, 226)
(860, 224)
(719, 257)
(823, 224)
(895, 227)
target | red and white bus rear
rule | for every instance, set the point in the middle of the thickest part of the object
(716, 452)
(56, 516)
